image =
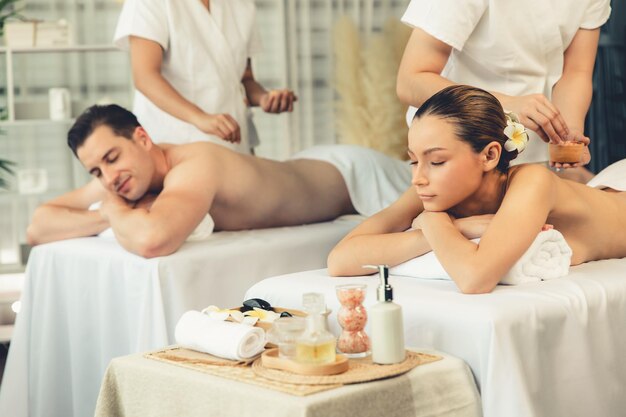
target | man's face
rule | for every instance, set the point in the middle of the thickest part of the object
(123, 166)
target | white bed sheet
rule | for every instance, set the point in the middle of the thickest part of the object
(86, 301)
(552, 348)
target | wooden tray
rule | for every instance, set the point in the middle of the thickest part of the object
(270, 359)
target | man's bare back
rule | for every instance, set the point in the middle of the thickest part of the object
(252, 192)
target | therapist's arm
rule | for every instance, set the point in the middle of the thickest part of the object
(146, 59)
(419, 78)
(273, 101)
(572, 93)
(67, 216)
(160, 229)
(419, 73)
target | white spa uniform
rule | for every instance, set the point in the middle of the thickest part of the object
(204, 58)
(514, 47)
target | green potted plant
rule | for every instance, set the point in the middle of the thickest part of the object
(7, 10)
(5, 168)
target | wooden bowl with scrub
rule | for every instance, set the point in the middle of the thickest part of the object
(566, 152)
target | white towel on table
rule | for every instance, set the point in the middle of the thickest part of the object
(201, 232)
(225, 339)
(548, 257)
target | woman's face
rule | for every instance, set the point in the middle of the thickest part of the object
(445, 170)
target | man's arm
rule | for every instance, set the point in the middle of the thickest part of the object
(187, 196)
(146, 60)
(67, 216)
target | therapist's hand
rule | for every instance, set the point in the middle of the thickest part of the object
(538, 114)
(223, 126)
(278, 101)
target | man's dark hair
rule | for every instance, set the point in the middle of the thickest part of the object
(121, 121)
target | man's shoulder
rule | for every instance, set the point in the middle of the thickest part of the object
(193, 150)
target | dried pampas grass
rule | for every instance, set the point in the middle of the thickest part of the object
(368, 110)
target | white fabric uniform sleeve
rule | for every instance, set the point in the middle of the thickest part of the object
(597, 14)
(255, 45)
(450, 21)
(145, 19)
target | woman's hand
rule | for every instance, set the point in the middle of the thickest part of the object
(278, 101)
(222, 125)
(474, 226)
(538, 114)
(426, 216)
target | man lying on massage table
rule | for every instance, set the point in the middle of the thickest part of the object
(154, 196)
(460, 145)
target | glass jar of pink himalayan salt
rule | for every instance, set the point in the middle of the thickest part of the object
(352, 316)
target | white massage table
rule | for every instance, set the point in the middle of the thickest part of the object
(545, 349)
(86, 301)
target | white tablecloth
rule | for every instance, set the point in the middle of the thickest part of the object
(136, 386)
(546, 349)
(86, 301)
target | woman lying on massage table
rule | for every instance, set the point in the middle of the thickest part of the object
(460, 145)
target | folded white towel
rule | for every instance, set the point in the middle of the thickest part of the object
(201, 232)
(225, 339)
(548, 257)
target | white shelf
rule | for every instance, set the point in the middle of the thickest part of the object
(34, 122)
(69, 48)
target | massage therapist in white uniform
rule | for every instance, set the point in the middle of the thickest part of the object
(191, 67)
(535, 56)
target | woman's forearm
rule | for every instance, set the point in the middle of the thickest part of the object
(254, 91)
(458, 255)
(416, 87)
(349, 256)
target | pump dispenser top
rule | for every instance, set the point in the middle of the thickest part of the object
(384, 291)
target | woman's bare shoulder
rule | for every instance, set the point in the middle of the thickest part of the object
(531, 174)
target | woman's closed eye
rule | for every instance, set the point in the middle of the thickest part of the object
(438, 163)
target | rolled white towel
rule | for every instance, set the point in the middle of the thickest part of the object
(201, 232)
(548, 257)
(225, 339)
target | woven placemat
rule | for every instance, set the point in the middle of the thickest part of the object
(191, 357)
(224, 368)
(360, 370)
